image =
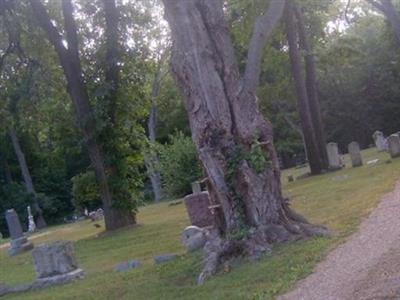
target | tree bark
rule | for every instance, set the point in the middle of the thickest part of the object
(388, 9)
(312, 87)
(70, 62)
(313, 154)
(230, 134)
(26, 175)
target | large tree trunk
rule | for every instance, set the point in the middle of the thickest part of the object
(69, 57)
(26, 175)
(314, 157)
(233, 139)
(312, 87)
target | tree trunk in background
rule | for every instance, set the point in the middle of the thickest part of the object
(233, 139)
(314, 157)
(312, 87)
(69, 57)
(151, 159)
(26, 175)
(388, 9)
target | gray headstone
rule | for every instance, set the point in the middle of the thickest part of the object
(196, 187)
(126, 266)
(19, 243)
(164, 258)
(55, 258)
(355, 154)
(333, 156)
(394, 145)
(197, 206)
(193, 238)
(380, 141)
(14, 225)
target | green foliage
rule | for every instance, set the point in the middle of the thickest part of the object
(14, 196)
(179, 165)
(85, 191)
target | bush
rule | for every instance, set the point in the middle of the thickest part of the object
(85, 191)
(179, 165)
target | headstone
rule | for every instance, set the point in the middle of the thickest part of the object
(126, 266)
(164, 258)
(333, 156)
(196, 187)
(380, 141)
(197, 206)
(32, 225)
(55, 263)
(193, 238)
(394, 145)
(19, 243)
(355, 154)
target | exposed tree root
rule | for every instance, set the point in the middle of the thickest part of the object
(219, 250)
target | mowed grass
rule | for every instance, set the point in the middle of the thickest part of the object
(339, 200)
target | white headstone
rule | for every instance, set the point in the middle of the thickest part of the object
(355, 154)
(380, 141)
(31, 224)
(333, 156)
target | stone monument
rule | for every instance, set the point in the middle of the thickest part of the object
(394, 145)
(55, 263)
(333, 156)
(19, 243)
(355, 154)
(380, 141)
(31, 224)
(197, 206)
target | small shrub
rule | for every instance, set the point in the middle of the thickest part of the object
(85, 191)
(179, 165)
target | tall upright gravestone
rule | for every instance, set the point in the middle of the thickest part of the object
(355, 154)
(19, 243)
(380, 141)
(394, 145)
(333, 156)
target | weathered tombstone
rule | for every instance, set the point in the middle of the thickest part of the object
(55, 263)
(193, 238)
(31, 224)
(126, 266)
(394, 145)
(380, 141)
(159, 259)
(355, 154)
(19, 243)
(196, 187)
(197, 206)
(333, 156)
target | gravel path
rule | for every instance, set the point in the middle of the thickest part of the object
(366, 266)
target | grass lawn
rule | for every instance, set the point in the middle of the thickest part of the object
(338, 200)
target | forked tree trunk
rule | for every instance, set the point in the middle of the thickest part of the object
(233, 139)
(312, 87)
(26, 175)
(315, 158)
(69, 57)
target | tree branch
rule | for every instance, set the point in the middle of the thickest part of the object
(45, 22)
(263, 28)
